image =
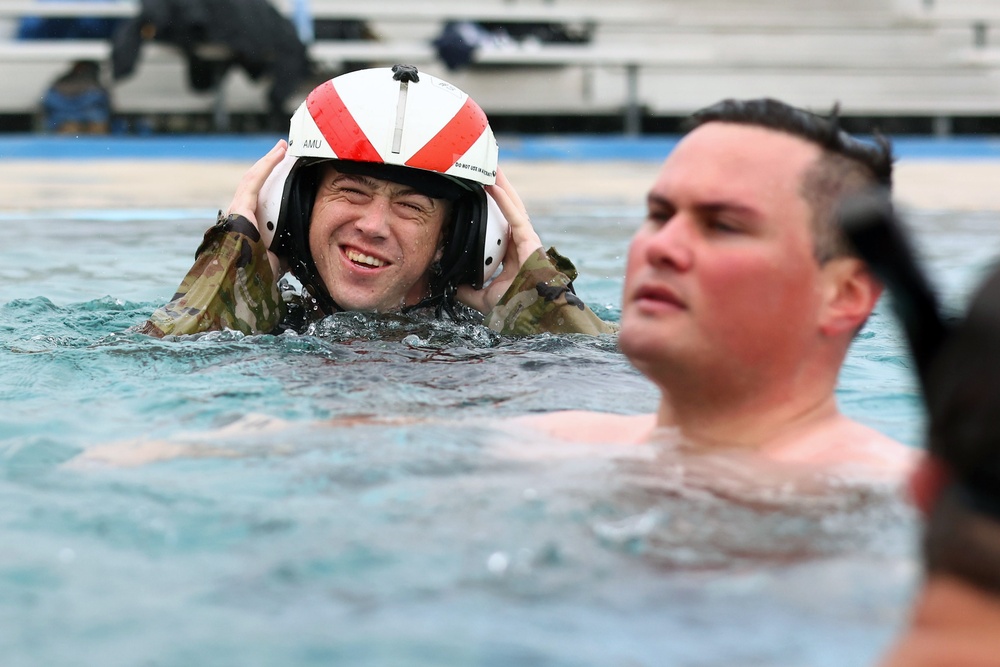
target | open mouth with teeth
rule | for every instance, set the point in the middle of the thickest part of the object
(363, 259)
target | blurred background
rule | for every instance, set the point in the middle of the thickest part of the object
(636, 67)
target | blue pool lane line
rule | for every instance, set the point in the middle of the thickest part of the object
(520, 147)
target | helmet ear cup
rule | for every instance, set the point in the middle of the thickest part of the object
(496, 236)
(272, 197)
(476, 243)
(462, 256)
(291, 242)
(292, 233)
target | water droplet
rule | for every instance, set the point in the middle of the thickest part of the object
(497, 563)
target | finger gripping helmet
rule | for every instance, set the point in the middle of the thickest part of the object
(399, 125)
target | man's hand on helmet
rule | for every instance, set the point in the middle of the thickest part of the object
(524, 242)
(245, 199)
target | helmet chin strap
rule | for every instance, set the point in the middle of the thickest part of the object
(444, 297)
(293, 238)
(443, 301)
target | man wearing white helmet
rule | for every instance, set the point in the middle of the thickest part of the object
(378, 202)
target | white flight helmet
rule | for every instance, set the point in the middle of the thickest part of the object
(402, 126)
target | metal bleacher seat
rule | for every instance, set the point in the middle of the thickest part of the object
(642, 57)
(876, 57)
(406, 30)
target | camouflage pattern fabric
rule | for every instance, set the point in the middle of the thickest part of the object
(230, 286)
(541, 299)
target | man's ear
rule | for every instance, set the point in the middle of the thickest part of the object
(927, 480)
(850, 292)
(443, 235)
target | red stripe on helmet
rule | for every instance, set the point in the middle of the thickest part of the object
(338, 126)
(454, 139)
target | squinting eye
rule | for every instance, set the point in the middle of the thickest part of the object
(659, 216)
(725, 227)
(339, 189)
(415, 205)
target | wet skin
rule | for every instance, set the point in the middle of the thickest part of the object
(373, 241)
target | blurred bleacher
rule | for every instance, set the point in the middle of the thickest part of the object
(924, 66)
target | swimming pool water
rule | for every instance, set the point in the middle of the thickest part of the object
(269, 537)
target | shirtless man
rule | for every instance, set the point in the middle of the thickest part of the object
(741, 298)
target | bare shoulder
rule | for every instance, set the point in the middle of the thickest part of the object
(867, 443)
(845, 442)
(590, 427)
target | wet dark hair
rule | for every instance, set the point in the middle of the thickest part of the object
(847, 164)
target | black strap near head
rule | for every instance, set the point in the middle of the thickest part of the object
(292, 239)
(870, 223)
(958, 361)
(980, 501)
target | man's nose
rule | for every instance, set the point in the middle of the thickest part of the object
(374, 222)
(673, 243)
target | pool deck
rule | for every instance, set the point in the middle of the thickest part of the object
(53, 173)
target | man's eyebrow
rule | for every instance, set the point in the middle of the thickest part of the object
(724, 206)
(654, 199)
(708, 206)
(357, 178)
(397, 188)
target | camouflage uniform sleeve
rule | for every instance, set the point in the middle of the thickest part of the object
(541, 299)
(230, 286)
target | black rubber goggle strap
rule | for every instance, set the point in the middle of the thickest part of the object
(976, 499)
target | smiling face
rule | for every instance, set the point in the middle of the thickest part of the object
(373, 241)
(721, 275)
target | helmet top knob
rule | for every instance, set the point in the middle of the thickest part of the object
(406, 73)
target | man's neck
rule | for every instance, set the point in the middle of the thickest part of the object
(749, 418)
(954, 623)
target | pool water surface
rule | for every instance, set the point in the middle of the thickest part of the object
(267, 536)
